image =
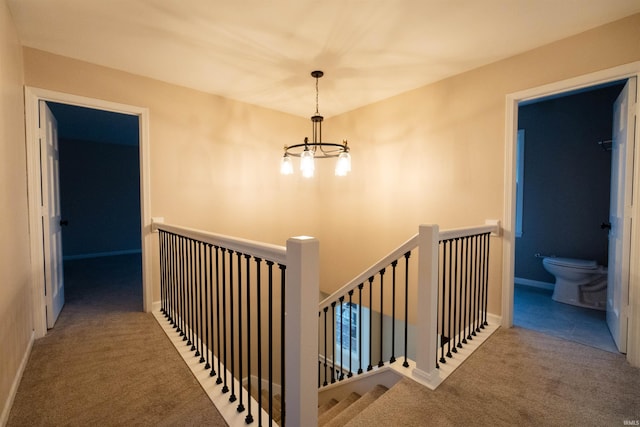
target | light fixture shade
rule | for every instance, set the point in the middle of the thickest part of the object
(343, 165)
(307, 165)
(286, 165)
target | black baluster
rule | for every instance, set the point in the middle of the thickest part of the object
(406, 308)
(481, 292)
(283, 390)
(171, 278)
(393, 311)
(360, 286)
(179, 282)
(200, 349)
(232, 398)
(449, 334)
(169, 263)
(486, 281)
(249, 418)
(163, 292)
(185, 262)
(208, 324)
(270, 352)
(333, 341)
(481, 308)
(350, 374)
(319, 362)
(341, 376)
(192, 340)
(454, 288)
(183, 285)
(259, 332)
(176, 282)
(219, 379)
(225, 387)
(325, 346)
(370, 367)
(475, 285)
(186, 326)
(240, 355)
(381, 362)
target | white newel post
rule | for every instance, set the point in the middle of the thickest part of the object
(301, 331)
(426, 329)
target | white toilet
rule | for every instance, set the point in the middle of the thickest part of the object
(578, 282)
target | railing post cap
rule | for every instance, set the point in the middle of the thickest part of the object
(302, 239)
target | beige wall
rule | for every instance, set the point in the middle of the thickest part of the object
(15, 292)
(432, 155)
(214, 162)
(436, 154)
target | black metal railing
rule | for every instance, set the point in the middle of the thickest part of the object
(462, 296)
(373, 308)
(228, 307)
(378, 306)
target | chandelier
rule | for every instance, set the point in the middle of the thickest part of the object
(308, 151)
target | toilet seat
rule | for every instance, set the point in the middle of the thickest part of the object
(581, 264)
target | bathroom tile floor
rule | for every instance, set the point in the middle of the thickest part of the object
(534, 309)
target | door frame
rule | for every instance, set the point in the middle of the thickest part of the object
(509, 209)
(33, 96)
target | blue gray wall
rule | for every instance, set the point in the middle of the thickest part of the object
(566, 179)
(99, 181)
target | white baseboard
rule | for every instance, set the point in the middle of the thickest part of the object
(227, 409)
(101, 254)
(533, 283)
(4, 417)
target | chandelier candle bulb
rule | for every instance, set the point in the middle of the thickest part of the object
(307, 165)
(286, 165)
(343, 165)
(308, 151)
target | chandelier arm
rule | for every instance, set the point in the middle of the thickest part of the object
(335, 150)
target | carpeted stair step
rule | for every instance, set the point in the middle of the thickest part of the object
(357, 407)
(325, 407)
(395, 407)
(277, 403)
(336, 409)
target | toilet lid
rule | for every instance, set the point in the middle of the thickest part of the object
(572, 262)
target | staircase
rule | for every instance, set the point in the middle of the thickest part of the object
(335, 414)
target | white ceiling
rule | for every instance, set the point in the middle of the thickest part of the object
(262, 52)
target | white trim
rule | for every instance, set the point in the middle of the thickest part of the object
(508, 252)
(32, 98)
(102, 254)
(220, 400)
(533, 283)
(4, 417)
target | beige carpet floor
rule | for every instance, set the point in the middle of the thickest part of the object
(106, 363)
(519, 378)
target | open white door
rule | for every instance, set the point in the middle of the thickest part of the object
(50, 196)
(620, 213)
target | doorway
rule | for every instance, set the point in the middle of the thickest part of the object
(33, 98)
(564, 177)
(99, 178)
(508, 265)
